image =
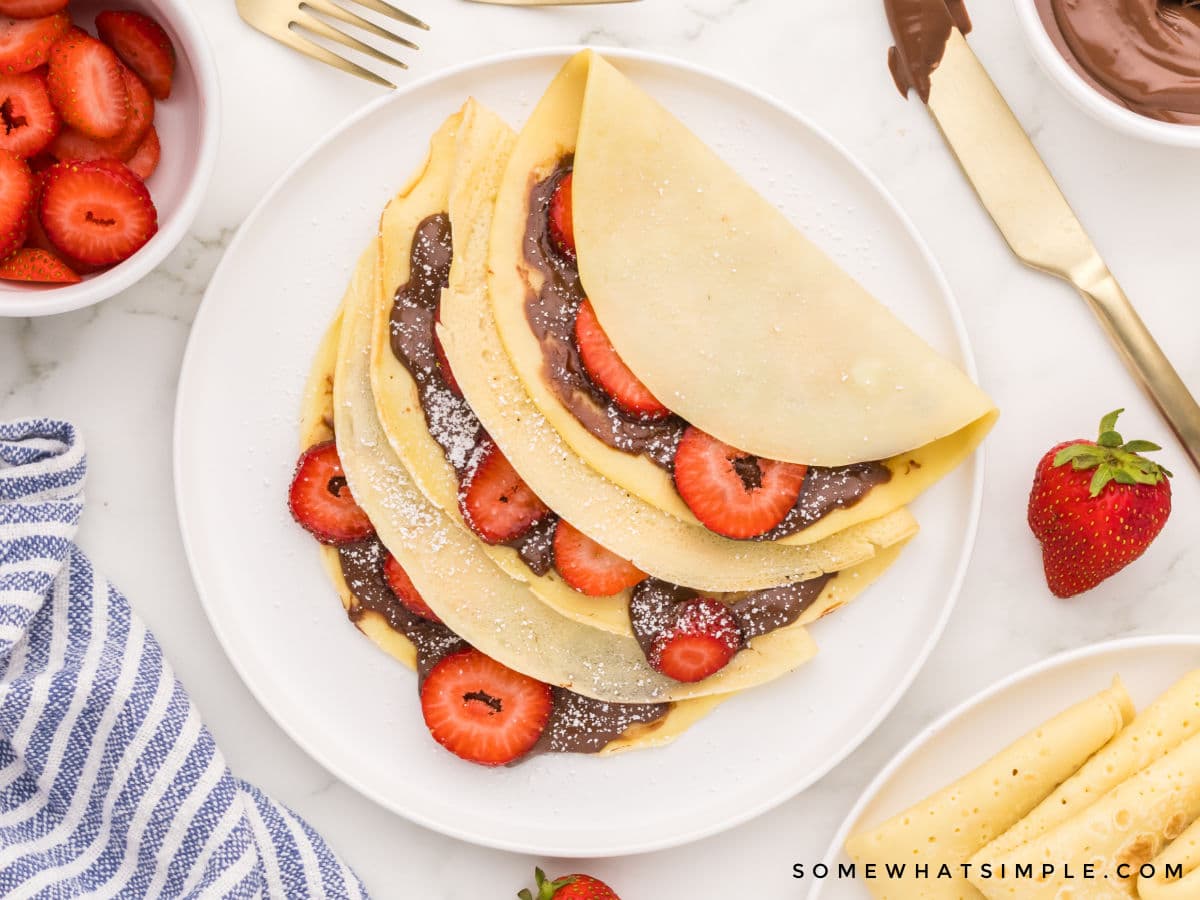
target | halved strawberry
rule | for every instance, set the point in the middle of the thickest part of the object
(41, 266)
(562, 219)
(87, 85)
(496, 502)
(25, 43)
(609, 372)
(144, 163)
(143, 45)
(483, 711)
(588, 567)
(703, 639)
(17, 191)
(405, 591)
(733, 493)
(31, 9)
(320, 499)
(98, 213)
(28, 121)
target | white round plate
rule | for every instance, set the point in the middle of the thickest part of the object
(354, 709)
(976, 730)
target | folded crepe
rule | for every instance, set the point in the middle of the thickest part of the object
(663, 545)
(1127, 827)
(949, 827)
(316, 426)
(492, 611)
(460, 178)
(761, 353)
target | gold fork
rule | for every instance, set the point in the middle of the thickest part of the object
(294, 23)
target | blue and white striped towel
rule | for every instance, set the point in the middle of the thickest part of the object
(110, 786)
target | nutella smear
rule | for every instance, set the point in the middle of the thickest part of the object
(921, 29)
(1145, 54)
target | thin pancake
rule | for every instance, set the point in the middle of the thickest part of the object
(316, 426)
(580, 105)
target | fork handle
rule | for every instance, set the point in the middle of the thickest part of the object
(1146, 360)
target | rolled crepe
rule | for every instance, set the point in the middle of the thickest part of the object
(1165, 884)
(947, 828)
(1130, 825)
(1158, 729)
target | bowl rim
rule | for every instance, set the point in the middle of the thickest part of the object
(1087, 97)
(36, 302)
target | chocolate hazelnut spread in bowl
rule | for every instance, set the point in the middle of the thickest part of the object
(1132, 64)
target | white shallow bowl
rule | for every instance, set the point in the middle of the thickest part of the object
(980, 727)
(188, 125)
(356, 710)
(1096, 104)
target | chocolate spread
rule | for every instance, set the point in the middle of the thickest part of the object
(551, 313)
(577, 724)
(653, 607)
(449, 417)
(921, 29)
(1145, 54)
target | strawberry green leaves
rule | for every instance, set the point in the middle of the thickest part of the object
(1114, 459)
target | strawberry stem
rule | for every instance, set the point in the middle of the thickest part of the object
(1113, 458)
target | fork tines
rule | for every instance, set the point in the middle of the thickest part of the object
(295, 25)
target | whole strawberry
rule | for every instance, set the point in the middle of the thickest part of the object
(569, 887)
(1096, 507)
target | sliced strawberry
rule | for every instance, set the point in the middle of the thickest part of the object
(41, 162)
(320, 499)
(496, 502)
(17, 192)
(98, 213)
(405, 591)
(482, 711)
(562, 220)
(37, 265)
(733, 493)
(72, 144)
(609, 372)
(87, 85)
(28, 121)
(144, 163)
(703, 639)
(125, 143)
(25, 43)
(143, 45)
(590, 568)
(31, 9)
(443, 362)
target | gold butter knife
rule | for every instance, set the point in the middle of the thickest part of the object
(1020, 194)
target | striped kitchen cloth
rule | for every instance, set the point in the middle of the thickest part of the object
(110, 786)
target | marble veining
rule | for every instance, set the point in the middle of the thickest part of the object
(113, 369)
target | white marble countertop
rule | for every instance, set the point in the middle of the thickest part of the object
(113, 369)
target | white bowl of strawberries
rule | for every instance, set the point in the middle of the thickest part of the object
(108, 138)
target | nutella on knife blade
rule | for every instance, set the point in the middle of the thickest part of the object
(1144, 54)
(921, 29)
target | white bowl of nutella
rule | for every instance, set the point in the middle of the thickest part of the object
(1133, 64)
